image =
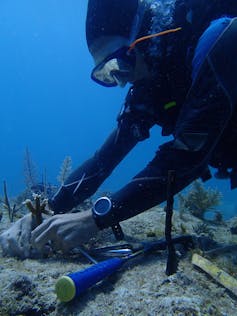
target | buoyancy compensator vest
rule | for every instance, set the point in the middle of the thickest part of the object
(199, 14)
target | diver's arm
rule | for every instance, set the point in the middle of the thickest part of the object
(133, 126)
(85, 180)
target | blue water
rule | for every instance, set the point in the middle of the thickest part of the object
(48, 102)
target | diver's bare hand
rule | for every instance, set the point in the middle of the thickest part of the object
(65, 231)
(16, 240)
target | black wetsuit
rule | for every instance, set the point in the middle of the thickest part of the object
(198, 110)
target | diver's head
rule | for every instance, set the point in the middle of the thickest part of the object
(111, 26)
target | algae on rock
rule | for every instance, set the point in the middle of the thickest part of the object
(199, 200)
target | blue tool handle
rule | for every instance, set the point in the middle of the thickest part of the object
(90, 276)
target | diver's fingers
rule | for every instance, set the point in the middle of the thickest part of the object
(43, 227)
(41, 237)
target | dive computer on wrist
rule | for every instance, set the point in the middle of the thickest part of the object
(104, 216)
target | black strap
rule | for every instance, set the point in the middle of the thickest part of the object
(172, 261)
(118, 232)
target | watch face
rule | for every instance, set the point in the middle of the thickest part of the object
(102, 206)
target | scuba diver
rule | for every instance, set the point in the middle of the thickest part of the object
(180, 59)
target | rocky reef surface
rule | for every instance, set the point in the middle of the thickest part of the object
(141, 287)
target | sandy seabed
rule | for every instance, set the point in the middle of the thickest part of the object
(141, 287)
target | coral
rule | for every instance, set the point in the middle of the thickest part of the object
(233, 230)
(65, 169)
(22, 285)
(31, 179)
(30, 170)
(228, 264)
(27, 287)
(203, 229)
(37, 207)
(11, 210)
(199, 200)
(151, 234)
(233, 227)
(218, 217)
(183, 229)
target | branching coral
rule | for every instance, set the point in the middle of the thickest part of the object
(11, 210)
(29, 170)
(37, 207)
(199, 200)
(65, 169)
(203, 228)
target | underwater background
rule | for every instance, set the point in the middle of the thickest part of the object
(49, 103)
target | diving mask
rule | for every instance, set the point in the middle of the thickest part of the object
(116, 69)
